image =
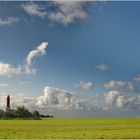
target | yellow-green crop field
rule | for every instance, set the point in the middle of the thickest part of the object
(71, 128)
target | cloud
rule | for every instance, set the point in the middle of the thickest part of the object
(8, 70)
(62, 12)
(120, 85)
(137, 78)
(4, 85)
(102, 67)
(55, 99)
(85, 85)
(34, 10)
(23, 100)
(60, 99)
(19, 99)
(118, 99)
(113, 98)
(39, 51)
(68, 11)
(8, 21)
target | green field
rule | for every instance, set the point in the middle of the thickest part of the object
(71, 128)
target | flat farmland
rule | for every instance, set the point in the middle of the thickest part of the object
(71, 128)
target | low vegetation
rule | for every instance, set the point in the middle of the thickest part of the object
(71, 128)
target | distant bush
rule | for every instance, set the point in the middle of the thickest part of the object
(19, 112)
(2, 113)
(46, 116)
(9, 114)
(36, 114)
(22, 112)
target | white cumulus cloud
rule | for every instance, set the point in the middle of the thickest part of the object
(102, 66)
(64, 12)
(8, 21)
(8, 70)
(55, 99)
(39, 51)
(119, 85)
(120, 100)
(60, 99)
(34, 10)
(85, 85)
(137, 78)
(68, 11)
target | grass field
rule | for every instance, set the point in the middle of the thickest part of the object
(71, 128)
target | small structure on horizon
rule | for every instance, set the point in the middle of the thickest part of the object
(8, 103)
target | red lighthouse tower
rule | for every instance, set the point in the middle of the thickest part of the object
(8, 103)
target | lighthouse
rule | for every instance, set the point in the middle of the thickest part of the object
(8, 103)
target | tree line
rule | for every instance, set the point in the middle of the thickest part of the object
(21, 112)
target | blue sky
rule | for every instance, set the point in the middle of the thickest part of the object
(92, 52)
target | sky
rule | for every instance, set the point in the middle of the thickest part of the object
(73, 58)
